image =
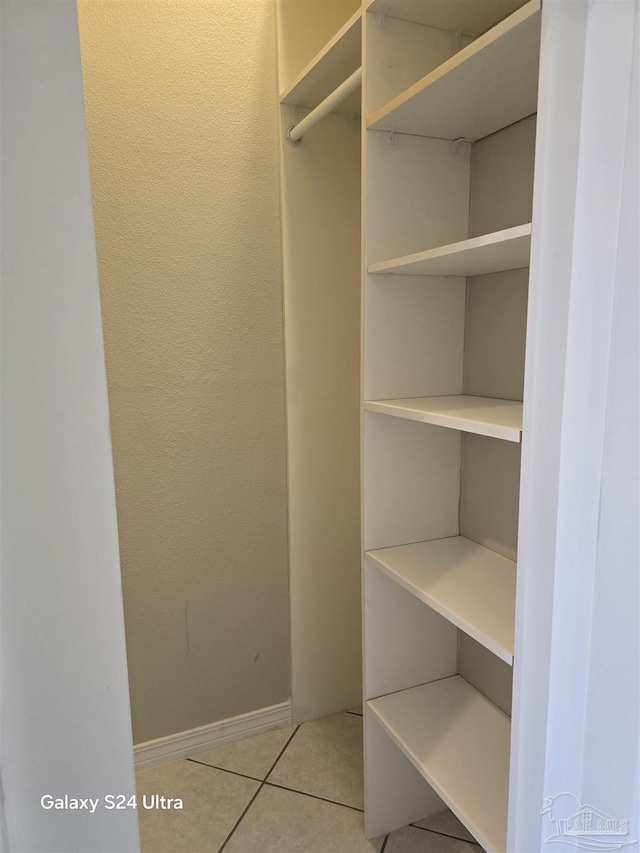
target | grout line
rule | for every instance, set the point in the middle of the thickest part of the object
(446, 834)
(224, 770)
(281, 753)
(354, 713)
(260, 787)
(238, 822)
(384, 843)
(314, 796)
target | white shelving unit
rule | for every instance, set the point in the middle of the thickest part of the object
(443, 166)
(508, 249)
(459, 742)
(480, 415)
(448, 175)
(471, 586)
(491, 83)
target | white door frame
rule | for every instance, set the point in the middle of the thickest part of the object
(65, 723)
(576, 673)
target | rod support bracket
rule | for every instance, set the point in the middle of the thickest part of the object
(293, 142)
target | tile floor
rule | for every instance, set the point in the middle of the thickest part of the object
(297, 789)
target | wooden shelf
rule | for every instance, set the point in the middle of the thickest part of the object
(480, 415)
(459, 742)
(491, 83)
(497, 252)
(471, 17)
(469, 585)
(335, 62)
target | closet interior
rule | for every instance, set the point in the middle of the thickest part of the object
(319, 46)
(406, 231)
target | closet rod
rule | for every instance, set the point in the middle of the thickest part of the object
(295, 133)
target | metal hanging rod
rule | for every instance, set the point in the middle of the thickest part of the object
(295, 133)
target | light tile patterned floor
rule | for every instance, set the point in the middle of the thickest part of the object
(297, 789)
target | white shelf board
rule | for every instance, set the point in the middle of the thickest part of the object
(339, 58)
(480, 415)
(469, 585)
(491, 83)
(497, 252)
(470, 16)
(459, 742)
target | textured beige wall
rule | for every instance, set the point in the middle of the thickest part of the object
(180, 100)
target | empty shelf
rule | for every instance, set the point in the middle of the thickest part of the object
(459, 742)
(468, 15)
(497, 252)
(491, 83)
(469, 585)
(335, 62)
(480, 415)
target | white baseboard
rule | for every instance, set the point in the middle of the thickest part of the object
(197, 740)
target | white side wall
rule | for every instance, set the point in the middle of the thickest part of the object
(64, 705)
(577, 708)
(321, 222)
(320, 211)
